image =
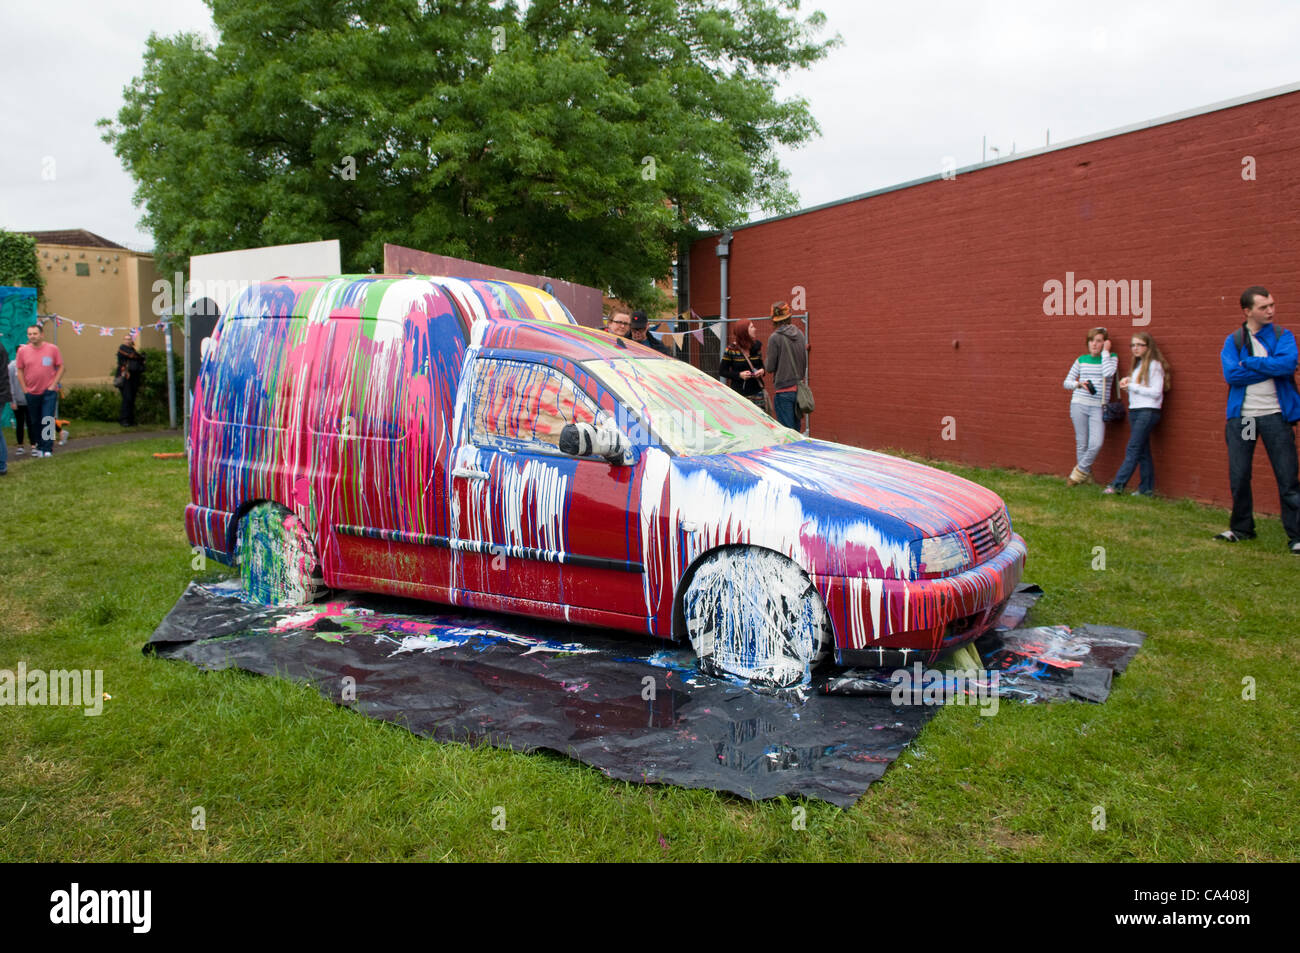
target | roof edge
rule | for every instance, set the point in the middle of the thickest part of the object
(1030, 154)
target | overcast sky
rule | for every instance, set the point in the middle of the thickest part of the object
(911, 85)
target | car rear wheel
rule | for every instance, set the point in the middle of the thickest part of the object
(754, 614)
(277, 559)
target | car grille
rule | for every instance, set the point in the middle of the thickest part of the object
(988, 537)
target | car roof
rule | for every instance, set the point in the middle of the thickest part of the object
(500, 314)
(572, 341)
(368, 296)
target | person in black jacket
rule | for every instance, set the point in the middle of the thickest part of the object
(130, 367)
(641, 333)
(742, 365)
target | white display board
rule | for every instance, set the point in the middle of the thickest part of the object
(223, 275)
(217, 279)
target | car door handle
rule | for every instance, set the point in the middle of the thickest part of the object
(468, 474)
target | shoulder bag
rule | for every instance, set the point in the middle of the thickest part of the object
(803, 399)
(1112, 411)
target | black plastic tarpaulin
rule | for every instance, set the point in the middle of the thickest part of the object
(634, 708)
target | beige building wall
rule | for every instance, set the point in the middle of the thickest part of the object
(115, 289)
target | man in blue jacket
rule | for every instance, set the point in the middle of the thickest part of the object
(1259, 364)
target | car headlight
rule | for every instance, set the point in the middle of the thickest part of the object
(944, 554)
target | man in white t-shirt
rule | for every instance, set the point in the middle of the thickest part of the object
(1259, 364)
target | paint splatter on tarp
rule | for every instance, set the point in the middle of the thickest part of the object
(1043, 663)
(529, 685)
(1055, 662)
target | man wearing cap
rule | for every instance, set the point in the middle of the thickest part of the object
(641, 333)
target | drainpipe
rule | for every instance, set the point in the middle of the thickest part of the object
(724, 253)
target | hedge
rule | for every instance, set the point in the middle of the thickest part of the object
(105, 403)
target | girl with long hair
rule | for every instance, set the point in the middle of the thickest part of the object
(742, 364)
(1146, 387)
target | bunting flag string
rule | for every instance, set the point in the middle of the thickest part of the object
(78, 327)
(717, 326)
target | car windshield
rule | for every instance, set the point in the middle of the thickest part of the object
(680, 407)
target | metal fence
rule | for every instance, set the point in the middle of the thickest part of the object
(701, 344)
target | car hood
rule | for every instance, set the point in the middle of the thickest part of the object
(836, 509)
(931, 500)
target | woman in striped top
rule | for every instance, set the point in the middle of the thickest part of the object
(1087, 382)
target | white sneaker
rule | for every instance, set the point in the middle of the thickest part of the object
(19, 451)
(47, 454)
(63, 437)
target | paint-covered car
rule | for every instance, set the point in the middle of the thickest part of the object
(466, 443)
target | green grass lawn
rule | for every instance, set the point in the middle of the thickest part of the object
(93, 554)
(89, 428)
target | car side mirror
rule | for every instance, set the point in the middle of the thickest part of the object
(585, 440)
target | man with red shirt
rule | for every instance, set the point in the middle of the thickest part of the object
(40, 367)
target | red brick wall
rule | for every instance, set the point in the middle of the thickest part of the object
(927, 302)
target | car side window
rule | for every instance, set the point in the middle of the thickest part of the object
(519, 405)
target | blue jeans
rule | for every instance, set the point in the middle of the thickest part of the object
(41, 409)
(1138, 453)
(4, 454)
(787, 409)
(1279, 442)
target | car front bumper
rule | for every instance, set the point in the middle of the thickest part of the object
(885, 622)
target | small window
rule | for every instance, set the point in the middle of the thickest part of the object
(521, 405)
(83, 269)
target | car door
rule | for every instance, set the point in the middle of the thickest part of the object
(531, 522)
(359, 439)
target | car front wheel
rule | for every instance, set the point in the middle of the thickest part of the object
(755, 615)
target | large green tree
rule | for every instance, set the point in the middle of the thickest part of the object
(19, 264)
(575, 138)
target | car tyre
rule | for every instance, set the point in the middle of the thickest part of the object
(753, 614)
(277, 558)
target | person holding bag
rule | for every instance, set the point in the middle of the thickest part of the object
(787, 362)
(1088, 384)
(1146, 387)
(742, 366)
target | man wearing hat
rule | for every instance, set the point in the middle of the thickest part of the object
(786, 362)
(641, 333)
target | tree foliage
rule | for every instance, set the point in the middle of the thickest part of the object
(576, 138)
(19, 263)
